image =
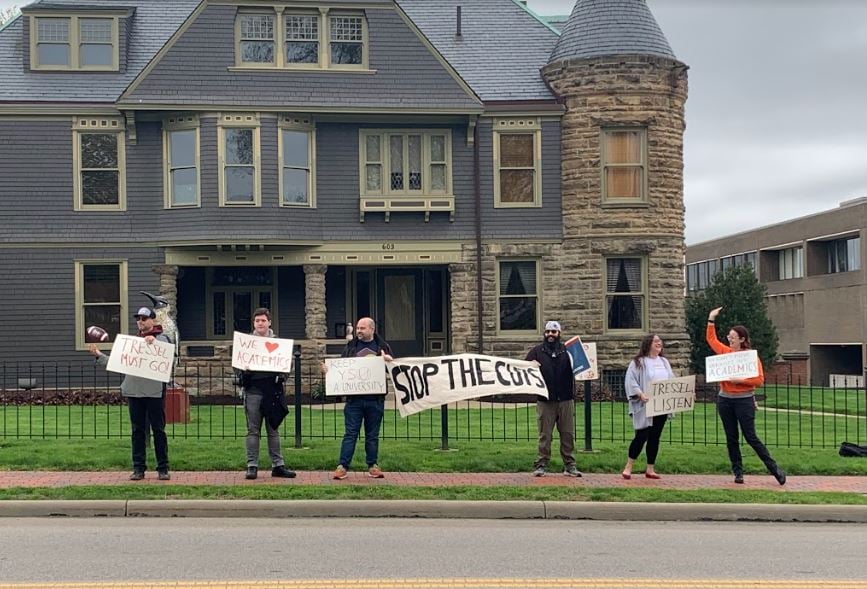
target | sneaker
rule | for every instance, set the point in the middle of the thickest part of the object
(339, 473)
(136, 475)
(739, 478)
(572, 471)
(164, 475)
(780, 475)
(375, 472)
(252, 473)
(282, 472)
(539, 472)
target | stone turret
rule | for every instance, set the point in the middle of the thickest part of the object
(624, 92)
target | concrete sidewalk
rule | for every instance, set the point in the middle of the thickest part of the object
(846, 484)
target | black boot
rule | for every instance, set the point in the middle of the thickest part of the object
(252, 473)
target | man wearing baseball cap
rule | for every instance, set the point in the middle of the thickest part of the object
(147, 403)
(559, 408)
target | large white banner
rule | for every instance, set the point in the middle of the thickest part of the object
(265, 354)
(133, 355)
(355, 376)
(672, 395)
(422, 383)
(733, 365)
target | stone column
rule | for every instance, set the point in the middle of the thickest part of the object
(316, 326)
(169, 285)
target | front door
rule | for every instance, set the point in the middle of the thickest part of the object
(399, 310)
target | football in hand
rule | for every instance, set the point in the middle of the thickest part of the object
(95, 335)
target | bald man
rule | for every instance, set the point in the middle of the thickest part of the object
(367, 409)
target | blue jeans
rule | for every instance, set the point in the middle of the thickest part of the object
(356, 410)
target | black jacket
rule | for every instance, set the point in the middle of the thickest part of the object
(556, 368)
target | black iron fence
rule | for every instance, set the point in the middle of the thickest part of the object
(81, 400)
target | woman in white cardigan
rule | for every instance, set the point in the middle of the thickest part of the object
(648, 365)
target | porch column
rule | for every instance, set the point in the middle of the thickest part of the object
(316, 326)
(169, 285)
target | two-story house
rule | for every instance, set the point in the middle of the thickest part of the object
(457, 169)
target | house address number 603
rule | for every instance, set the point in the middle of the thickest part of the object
(388, 246)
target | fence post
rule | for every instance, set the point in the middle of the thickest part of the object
(297, 368)
(865, 404)
(444, 427)
(588, 427)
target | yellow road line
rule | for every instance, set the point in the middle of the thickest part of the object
(461, 583)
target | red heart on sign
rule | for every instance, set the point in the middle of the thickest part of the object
(271, 347)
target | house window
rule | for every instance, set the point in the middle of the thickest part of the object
(101, 289)
(347, 40)
(517, 163)
(74, 42)
(406, 163)
(240, 181)
(181, 162)
(302, 39)
(256, 38)
(844, 255)
(518, 298)
(791, 263)
(625, 293)
(297, 155)
(100, 162)
(624, 161)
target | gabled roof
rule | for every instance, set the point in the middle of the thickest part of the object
(151, 26)
(500, 51)
(599, 28)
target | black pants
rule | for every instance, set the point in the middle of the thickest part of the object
(650, 435)
(144, 411)
(742, 412)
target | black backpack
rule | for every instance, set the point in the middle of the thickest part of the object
(850, 449)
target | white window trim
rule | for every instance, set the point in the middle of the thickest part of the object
(644, 293)
(80, 344)
(240, 121)
(180, 123)
(303, 124)
(74, 43)
(385, 155)
(604, 165)
(514, 126)
(538, 295)
(324, 64)
(93, 126)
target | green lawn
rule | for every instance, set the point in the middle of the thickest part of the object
(826, 400)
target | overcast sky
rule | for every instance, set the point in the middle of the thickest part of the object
(777, 109)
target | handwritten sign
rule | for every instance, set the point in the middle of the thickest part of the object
(593, 372)
(355, 376)
(734, 365)
(672, 395)
(265, 354)
(134, 356)
(422, 383)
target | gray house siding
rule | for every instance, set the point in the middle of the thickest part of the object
(39, 289)
(196, 71)
(36, 190)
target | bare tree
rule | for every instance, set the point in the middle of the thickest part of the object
(7, 14)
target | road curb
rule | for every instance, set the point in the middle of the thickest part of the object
(438, 509)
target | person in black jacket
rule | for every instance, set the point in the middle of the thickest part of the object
(262, 392)
(368, 409)
(559, 408)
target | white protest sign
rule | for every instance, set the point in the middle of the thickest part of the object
(134, 356)
(733, 365)
(593, 372)
(265, 354)
(422, 383)
(355, 376)
(672, 395)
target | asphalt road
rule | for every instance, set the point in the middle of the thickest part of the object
(56, 551)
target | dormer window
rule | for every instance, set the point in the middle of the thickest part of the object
(73, 42)
(295, 38)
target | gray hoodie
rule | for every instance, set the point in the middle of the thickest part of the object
(138, 386)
